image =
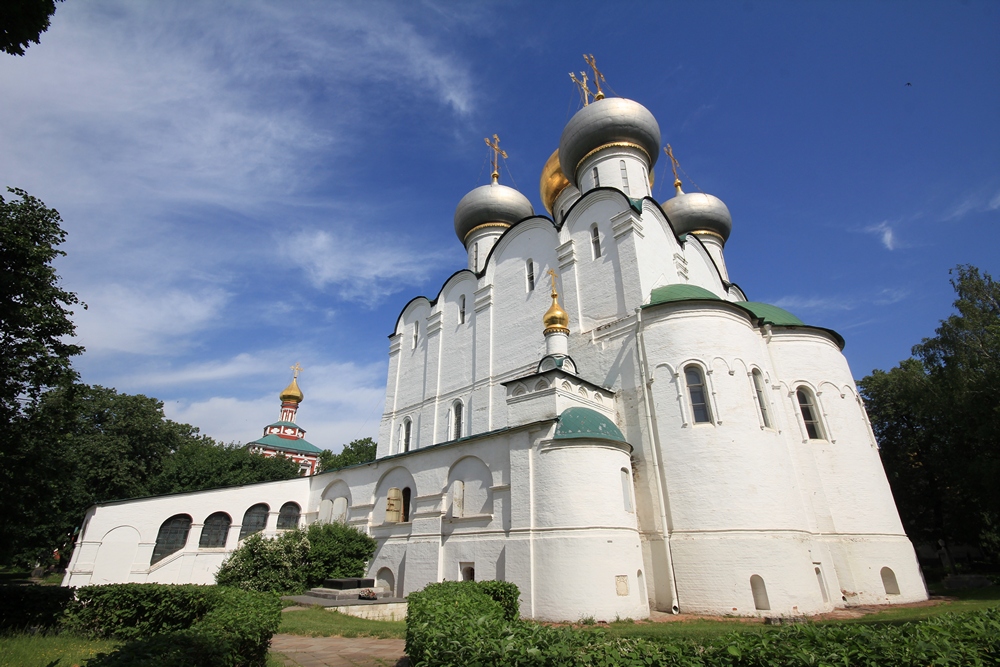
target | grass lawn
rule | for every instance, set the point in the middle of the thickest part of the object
(318, 622)
(42, 650)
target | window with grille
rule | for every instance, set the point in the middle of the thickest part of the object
(529, 268)
(288, 516)
(461, 309)
(699, 397)
(255, 520)
(457, 410)
(215, 531)
(595, 241)
(171, 537)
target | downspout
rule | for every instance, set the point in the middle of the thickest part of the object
(646, 381)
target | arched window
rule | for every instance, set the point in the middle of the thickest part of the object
(759, 590)
(889, 581)
(468, 572)
(404, 515)
(475, 256)
(393, 505)
(255, 520)
(457, 410)
(699, 398)
(288, 516)
(405, 435)
(171, 538)
(461, 309)
(621, 163)
(529, 269)
(758, 388)
(597, 178)
(595, 241)
(215, 531)
(416, 334)
(822, 584)
(626, 489)
(810, 416)
(458, 498)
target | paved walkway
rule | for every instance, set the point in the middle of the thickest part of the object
(299, 651)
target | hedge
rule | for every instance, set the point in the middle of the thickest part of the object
(32, 607)
(454, 624)
(167, 625)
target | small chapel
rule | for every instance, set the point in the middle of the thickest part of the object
(591, 408)
(286, 438)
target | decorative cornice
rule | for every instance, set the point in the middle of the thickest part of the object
(613, 144)
(505, 225)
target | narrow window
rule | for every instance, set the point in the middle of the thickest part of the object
(171, 538)
(645, 180)
(407, 424)
(468, 572)
(461, 309)
(393, 504)
(405, 513)
(475, 256)
(457, 410)
(215, 531)
(822, 584)
(889, 581)
(759, 590)
(416, 334)
(626, 489)
(758, 388)
(529, 267)
(809, 414)
(597, 179)
(621, 163)
(696, 388)
(458, 498)
(288, 516)
(595, 241)
(254, 520)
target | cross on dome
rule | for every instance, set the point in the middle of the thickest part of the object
(497, 154)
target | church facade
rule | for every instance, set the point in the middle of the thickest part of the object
(591, 409)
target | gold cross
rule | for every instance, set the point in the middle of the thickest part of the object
(497, 154)
(673, 165)
(582, 85)
(598, 77)
(295, 370)
(553, 275)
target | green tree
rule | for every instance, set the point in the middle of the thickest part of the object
(22, 22)
(200, 463)
(358, 451)
(937, 416)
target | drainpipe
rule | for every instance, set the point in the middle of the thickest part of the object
(660, 487)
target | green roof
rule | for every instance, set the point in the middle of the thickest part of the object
(680, 292)
(586, 423)
(277, 442)
(771, 314)
(283, 423)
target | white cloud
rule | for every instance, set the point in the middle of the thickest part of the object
(885, 232)
(361, 269)
(994, 203)
(141, 320)
(814, 303)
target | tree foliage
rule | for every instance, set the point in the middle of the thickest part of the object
(937, 416)
(22, 22)
(358, 451)
(199, 463)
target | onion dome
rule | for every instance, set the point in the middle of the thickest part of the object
(612, 121)
(292, 393)
(553, 181)
(490, 205)
(555, 320)
(697, 212)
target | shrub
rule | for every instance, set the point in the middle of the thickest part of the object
(337, 550)
(505, 594)
(23, 607)
(275, 565)
(297, 559)
(169, 625)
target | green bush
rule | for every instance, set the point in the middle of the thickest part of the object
(455, 624)
(168, 625)
(297, 559)
(505, 594)
(335, 551)
(23, 607)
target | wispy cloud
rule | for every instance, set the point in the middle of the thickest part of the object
(815, 303)
(885, 232)
(978, 202)
(360, 268)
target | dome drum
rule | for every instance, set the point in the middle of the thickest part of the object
(609, 161)
(492, 204)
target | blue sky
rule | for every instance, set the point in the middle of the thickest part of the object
(250, 184)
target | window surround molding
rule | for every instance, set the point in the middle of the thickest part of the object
(765, 411)
(819, 414)
(687, 408)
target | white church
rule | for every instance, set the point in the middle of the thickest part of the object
(592, 410)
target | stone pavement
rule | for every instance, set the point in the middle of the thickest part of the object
(299, 651)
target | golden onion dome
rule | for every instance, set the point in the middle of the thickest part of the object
(555, 320)
(553, 181)
(292, 393)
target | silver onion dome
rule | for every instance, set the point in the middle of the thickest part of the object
(698, 212)
(613, 120)
(490, 204)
